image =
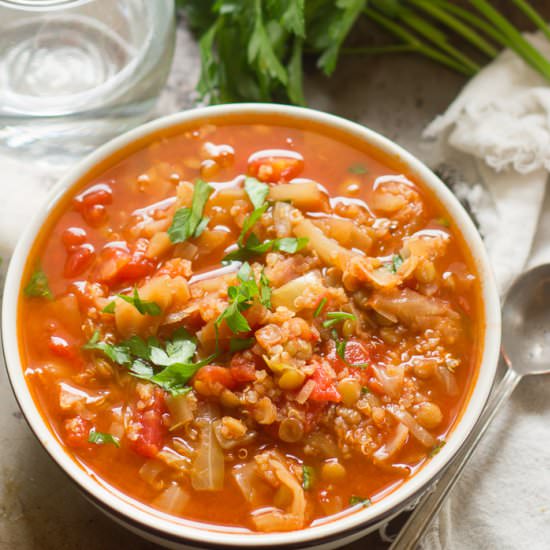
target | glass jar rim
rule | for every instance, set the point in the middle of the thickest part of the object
(41, 5)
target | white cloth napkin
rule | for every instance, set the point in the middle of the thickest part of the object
(502, 121)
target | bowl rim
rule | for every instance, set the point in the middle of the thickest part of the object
(129, 510)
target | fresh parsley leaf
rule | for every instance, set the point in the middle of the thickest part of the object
(143, 306)
(257, 191)
(101, 438)
(357, 169)
(109, 308)
(117, 353)
(396, 263)
(335, 317)
(355, 500)
(241, 298)
(239, 344)
(250, 221)
(169, 365)
(290, 244)
(365, 390)
(189, 222)
(265, 291)
(307, 477)
(437, 448)
(38, 285)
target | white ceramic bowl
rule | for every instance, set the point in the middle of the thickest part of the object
(160, 527)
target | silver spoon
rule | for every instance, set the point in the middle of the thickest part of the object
(526, 348)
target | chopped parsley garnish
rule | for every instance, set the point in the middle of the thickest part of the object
(101, 438)
(396, 263)
(257, 191)
(238, 344)
(357, 168)
(241, 297)
(335, 317)
(355, 500)
(437, 448)
(365, 390)
(38, 285)
(189, 222)
(109, 308)
(319, 308)
(444, 222)
(143, 306)
(248, 243)
(168, 364)
(265, 291)
(307, 477)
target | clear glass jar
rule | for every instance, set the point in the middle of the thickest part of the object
(74, 73)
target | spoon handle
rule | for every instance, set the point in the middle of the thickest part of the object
(412, 532)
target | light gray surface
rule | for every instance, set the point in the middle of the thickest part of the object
(39, 507)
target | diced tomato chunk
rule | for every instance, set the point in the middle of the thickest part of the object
(275, 165)
(79, 260)
(118, 264)
(152, 431)
(325, 388)
(77, 431)
(62, 347)
(243, 367)
(213, 379)
(73, 236)
(91, 203)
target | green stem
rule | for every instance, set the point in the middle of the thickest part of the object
(473, 20)
(375, 50)
(414, 42)
(517, 42)
(434, 35)
(533, 15)
(456, 25)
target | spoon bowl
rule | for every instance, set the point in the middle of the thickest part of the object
(526, 323)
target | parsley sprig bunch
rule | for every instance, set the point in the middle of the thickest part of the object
(169, 364)
(248, 243)
(252, 50)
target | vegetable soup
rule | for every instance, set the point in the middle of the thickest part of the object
(252, 324)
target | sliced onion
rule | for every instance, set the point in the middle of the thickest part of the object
(207, 473)
(150, 472)
(415, 428)
(448, 380)
(173, 459)
(305, 392)
(173, 499)
(254, 489)
(182, 409)
(392, 383)
(392, 446)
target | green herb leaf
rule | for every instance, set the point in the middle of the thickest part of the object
(239, 344)
(265, 291)
(117, 353)
(307, 477)
(396, 263)
(437, 448)
(444, 222)
(257, 191)
(355, 500)
(319, 308)
(143, 306)
(109, 308)
(358, 169)
(250, 221)
(38, 285)
(188, 222)
(290, 244)
(335, 317)
(101, 438)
